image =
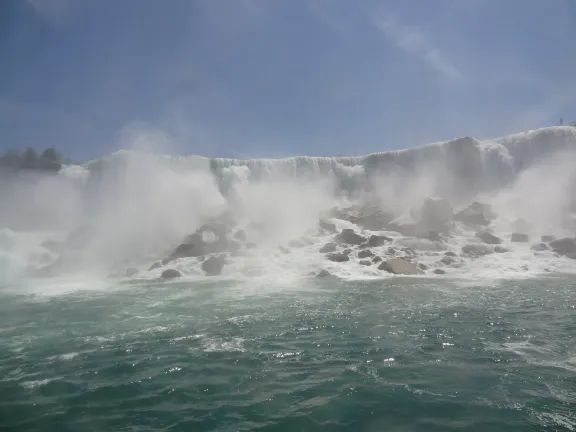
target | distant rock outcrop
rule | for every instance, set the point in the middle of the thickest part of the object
(519, 238)
(213, 266)
(400, 266)
(349, 237)
(564, 246)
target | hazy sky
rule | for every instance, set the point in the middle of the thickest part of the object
(257, 78)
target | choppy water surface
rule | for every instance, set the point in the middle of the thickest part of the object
(410, 355)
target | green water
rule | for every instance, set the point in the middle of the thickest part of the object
(398, 355)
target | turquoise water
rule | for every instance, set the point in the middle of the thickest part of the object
(399, 355)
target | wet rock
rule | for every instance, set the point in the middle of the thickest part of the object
(488, 238)
(476, 250)
(547, 238)
(475, 214)
(450, 254)
(501, 249)
(378, 240)
(130, 272)
(564, 246)
(436, 214)
(328, 247)
(366, 253)
(171, 274)
(423, 266)
(213, 266)
(338, 257)
(349, 237)
(365, 263)
(155, 266)
(519, 238)
(539, 247)
(327, 226)
(439, 272)
(376, 260)
(325, 274)
(448, 260)
(399, 266)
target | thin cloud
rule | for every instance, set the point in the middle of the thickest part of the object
(53, 11)
(414, 42)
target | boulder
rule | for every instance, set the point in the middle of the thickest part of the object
(448, 260)
(423, 266)
(155, 266)
(450, 254)
(365, 263)
(171, 274)
(520, 238)
(539, 247)
(547, 238)
(213, 266)
(327, 248)
(130, 272)
(349, 237)
(436, 214)
(327, 226)
(488, 238)
(564, 246)
(501, 249)
(405, 225)
(439, 272)
(475, 214)
(376, 260)
(366, 253)
(400, 266)
(476, 250)
(378, 240)
(325, 274)
(338, 257)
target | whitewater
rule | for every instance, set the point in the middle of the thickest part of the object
(430, 288)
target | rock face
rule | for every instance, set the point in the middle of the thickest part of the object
(475, 214)
(348, 236)
(476, 250)
(213, 266)
(378, 240)
(436, 215)
(564, 246)
(488, 238)
(400, 266)
(520, 238)
(328, 247)
(338, 257)
(171, 274)
(366, 253)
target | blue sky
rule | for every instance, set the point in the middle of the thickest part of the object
(271, 78)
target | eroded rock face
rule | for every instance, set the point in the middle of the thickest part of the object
(349, 237)
(171, 274)
(400, 266)
(488, 238)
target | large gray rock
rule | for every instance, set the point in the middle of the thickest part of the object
(436, 214)
(171, 274)
(373, 219)
(520, 238)
(349, 237)
(400, 266)
(488, 238)
(325, 274)
(378, 240)
(564, 246)
(539, 247)
(475, 214)
(365, 262)
(366, 253)
(213, 266)
(328, 247)
(476, 250)
(547, 238)
(338, 257)
(327, 226)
